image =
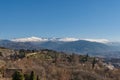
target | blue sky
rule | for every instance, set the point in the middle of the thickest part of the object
(60, 18)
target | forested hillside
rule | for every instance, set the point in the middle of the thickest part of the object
(52, 65)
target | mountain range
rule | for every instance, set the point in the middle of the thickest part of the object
(93, 47)
(37, 39)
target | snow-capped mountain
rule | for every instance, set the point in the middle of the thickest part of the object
(98, 40)
(37, 39)
(100, 47)
(68, 39)
(30, 39)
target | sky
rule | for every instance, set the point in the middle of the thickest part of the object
(60, 18)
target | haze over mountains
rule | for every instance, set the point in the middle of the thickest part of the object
(94, 47)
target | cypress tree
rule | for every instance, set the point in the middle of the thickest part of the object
(32, 76)
(86, 57)
(93, 62)
(38, 77)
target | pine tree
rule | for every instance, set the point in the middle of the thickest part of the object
(17, 76)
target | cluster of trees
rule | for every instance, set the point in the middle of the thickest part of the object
(20, 76)
(20, 54)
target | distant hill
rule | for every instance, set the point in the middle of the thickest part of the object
(17, 45)
(64, 45)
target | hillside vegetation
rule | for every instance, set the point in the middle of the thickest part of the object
(51, 65)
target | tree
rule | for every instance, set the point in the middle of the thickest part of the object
(17, 76)
(21, 53)
(55, 58)
(1, 54)
(86, 57)
(37, 78)
(32, 76)
(93, 62)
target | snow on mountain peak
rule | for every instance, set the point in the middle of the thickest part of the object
(68, 39)
(97, 40)
(37, 39)
(30, 39)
